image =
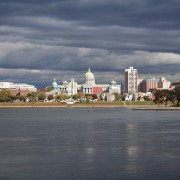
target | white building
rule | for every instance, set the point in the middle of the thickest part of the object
(6, 85)
(163, 83)
(72, 87)
(69, 88)
(131, 76)
(114, 88)
(106, 91)
(89, 82)
(89, 78)
(90, 87)
(19, 86)
(23, 86)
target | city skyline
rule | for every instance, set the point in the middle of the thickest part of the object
(128, 75)
(40, 40)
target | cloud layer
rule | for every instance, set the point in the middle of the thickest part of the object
(43, 39)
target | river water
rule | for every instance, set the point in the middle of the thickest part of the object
(89, 143)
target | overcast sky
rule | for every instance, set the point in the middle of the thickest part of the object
(43, 39)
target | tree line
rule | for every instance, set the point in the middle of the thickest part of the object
(165, 96)
(161, 96)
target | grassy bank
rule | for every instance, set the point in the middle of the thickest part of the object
(123, 103)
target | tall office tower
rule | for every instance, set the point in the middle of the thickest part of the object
(131, 76)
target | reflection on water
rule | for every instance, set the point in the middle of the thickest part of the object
(89, 143)
(132, 148)
(131, 161)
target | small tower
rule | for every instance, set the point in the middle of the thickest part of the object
(55, 85)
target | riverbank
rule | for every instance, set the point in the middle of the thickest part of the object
(147, 104)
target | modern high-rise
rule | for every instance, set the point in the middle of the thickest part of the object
(131, 76)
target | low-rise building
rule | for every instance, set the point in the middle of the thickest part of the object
(17, 92)
(17, 86)
(6, 85)
(174, 84)
(114, 88)
(23, 86)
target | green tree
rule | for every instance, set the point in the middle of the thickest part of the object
(93, 96)
(50, 97)
(81, 94)
(6, 95)
(22, 98)
(158, 97)
(146, 98)
(76, 96)
(62, 97)
(177, 94)
(165, 96)
(41, 96)
(49, 88)
(117, 96)
(172, 96)
(33, 96)
(89, 98)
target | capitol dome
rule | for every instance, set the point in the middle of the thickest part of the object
(89, 77)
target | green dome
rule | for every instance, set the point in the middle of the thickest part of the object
(54, 84)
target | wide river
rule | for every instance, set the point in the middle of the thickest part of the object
(89, 144)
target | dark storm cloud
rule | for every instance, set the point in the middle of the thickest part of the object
(71, 35)
(133, 13)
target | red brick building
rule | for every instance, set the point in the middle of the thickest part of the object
(17, 92)
(97, 90)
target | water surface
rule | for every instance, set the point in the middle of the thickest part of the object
(89, 143)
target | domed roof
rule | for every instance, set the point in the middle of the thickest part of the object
(65, 82)
(89, 78)
(89, 74)
(54, 84)
(113, 82)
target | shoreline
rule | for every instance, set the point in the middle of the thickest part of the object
(156, 109)
(91, 105)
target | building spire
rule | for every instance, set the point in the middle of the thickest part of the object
(89, 70)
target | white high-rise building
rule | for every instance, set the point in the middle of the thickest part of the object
(163, 83)
(131, 76)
